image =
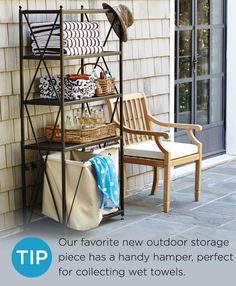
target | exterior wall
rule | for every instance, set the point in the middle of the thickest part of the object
(146, 68)
(231, 98)
(151, 58)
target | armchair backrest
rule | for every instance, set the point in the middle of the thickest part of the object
(134, 115)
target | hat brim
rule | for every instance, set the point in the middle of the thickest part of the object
(110, 16)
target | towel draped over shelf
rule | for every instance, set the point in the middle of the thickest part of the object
(106, 180)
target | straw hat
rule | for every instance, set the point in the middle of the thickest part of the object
(123, 17)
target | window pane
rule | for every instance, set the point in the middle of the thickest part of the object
(185, 12)
(216, 100)
(176, 3)
(185, 43)
(176, 54)
(185, 52)
(216, 51)
(185, 91)
(203, 52)
(202, 101)
(203, 12)
(185, 67)
(217, 10)
(176, 103)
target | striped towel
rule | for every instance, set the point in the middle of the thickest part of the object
(80, 26)
(71, 51)
(68, 34)
(48, 26)
(68, 43)
(80, 38)
(81, 34)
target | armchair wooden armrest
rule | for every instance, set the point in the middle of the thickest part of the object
(175, 125)
(188, 127)
(165, 135)
(155, 134)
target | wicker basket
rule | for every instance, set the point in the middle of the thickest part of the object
(81, 135)
(104, 86)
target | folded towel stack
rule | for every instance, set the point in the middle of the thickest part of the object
(78, 38)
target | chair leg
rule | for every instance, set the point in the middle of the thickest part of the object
(125, 180)
(166, 190)
(198, 177)
(156, 175)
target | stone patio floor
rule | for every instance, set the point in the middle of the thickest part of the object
(214, 216)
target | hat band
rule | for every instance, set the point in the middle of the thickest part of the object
(118, 8)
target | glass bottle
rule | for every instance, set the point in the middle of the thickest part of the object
(91, 119)
(100, 117)
(76, 123)
(82, 118)
(108, 75)
(95, 118)
(94, 74)
(85, 119)
(68, 122)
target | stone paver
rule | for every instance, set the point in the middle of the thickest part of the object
(214, 214)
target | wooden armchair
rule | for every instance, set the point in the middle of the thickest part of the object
(146, 147)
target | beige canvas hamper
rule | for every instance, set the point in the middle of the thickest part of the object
(85, 213)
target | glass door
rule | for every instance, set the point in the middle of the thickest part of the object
(200, 70)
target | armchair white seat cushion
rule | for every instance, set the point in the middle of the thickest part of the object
(149, 149)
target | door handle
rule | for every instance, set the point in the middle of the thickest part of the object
(195, 61)
(194, 65)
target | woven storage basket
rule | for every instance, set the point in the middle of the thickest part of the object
(81, 135)
(103, 86)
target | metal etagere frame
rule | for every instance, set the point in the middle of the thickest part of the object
(44, 148)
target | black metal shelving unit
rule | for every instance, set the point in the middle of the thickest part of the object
(44, 148)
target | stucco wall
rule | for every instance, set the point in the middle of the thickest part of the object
(146, 68)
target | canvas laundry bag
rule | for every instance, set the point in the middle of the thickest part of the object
(86, 213)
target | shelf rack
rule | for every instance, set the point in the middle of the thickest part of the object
(47, 147)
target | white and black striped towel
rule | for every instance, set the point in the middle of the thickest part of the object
(71, 51)
(68, 43)
(48, 26)
(69, 34)
(79, 38)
